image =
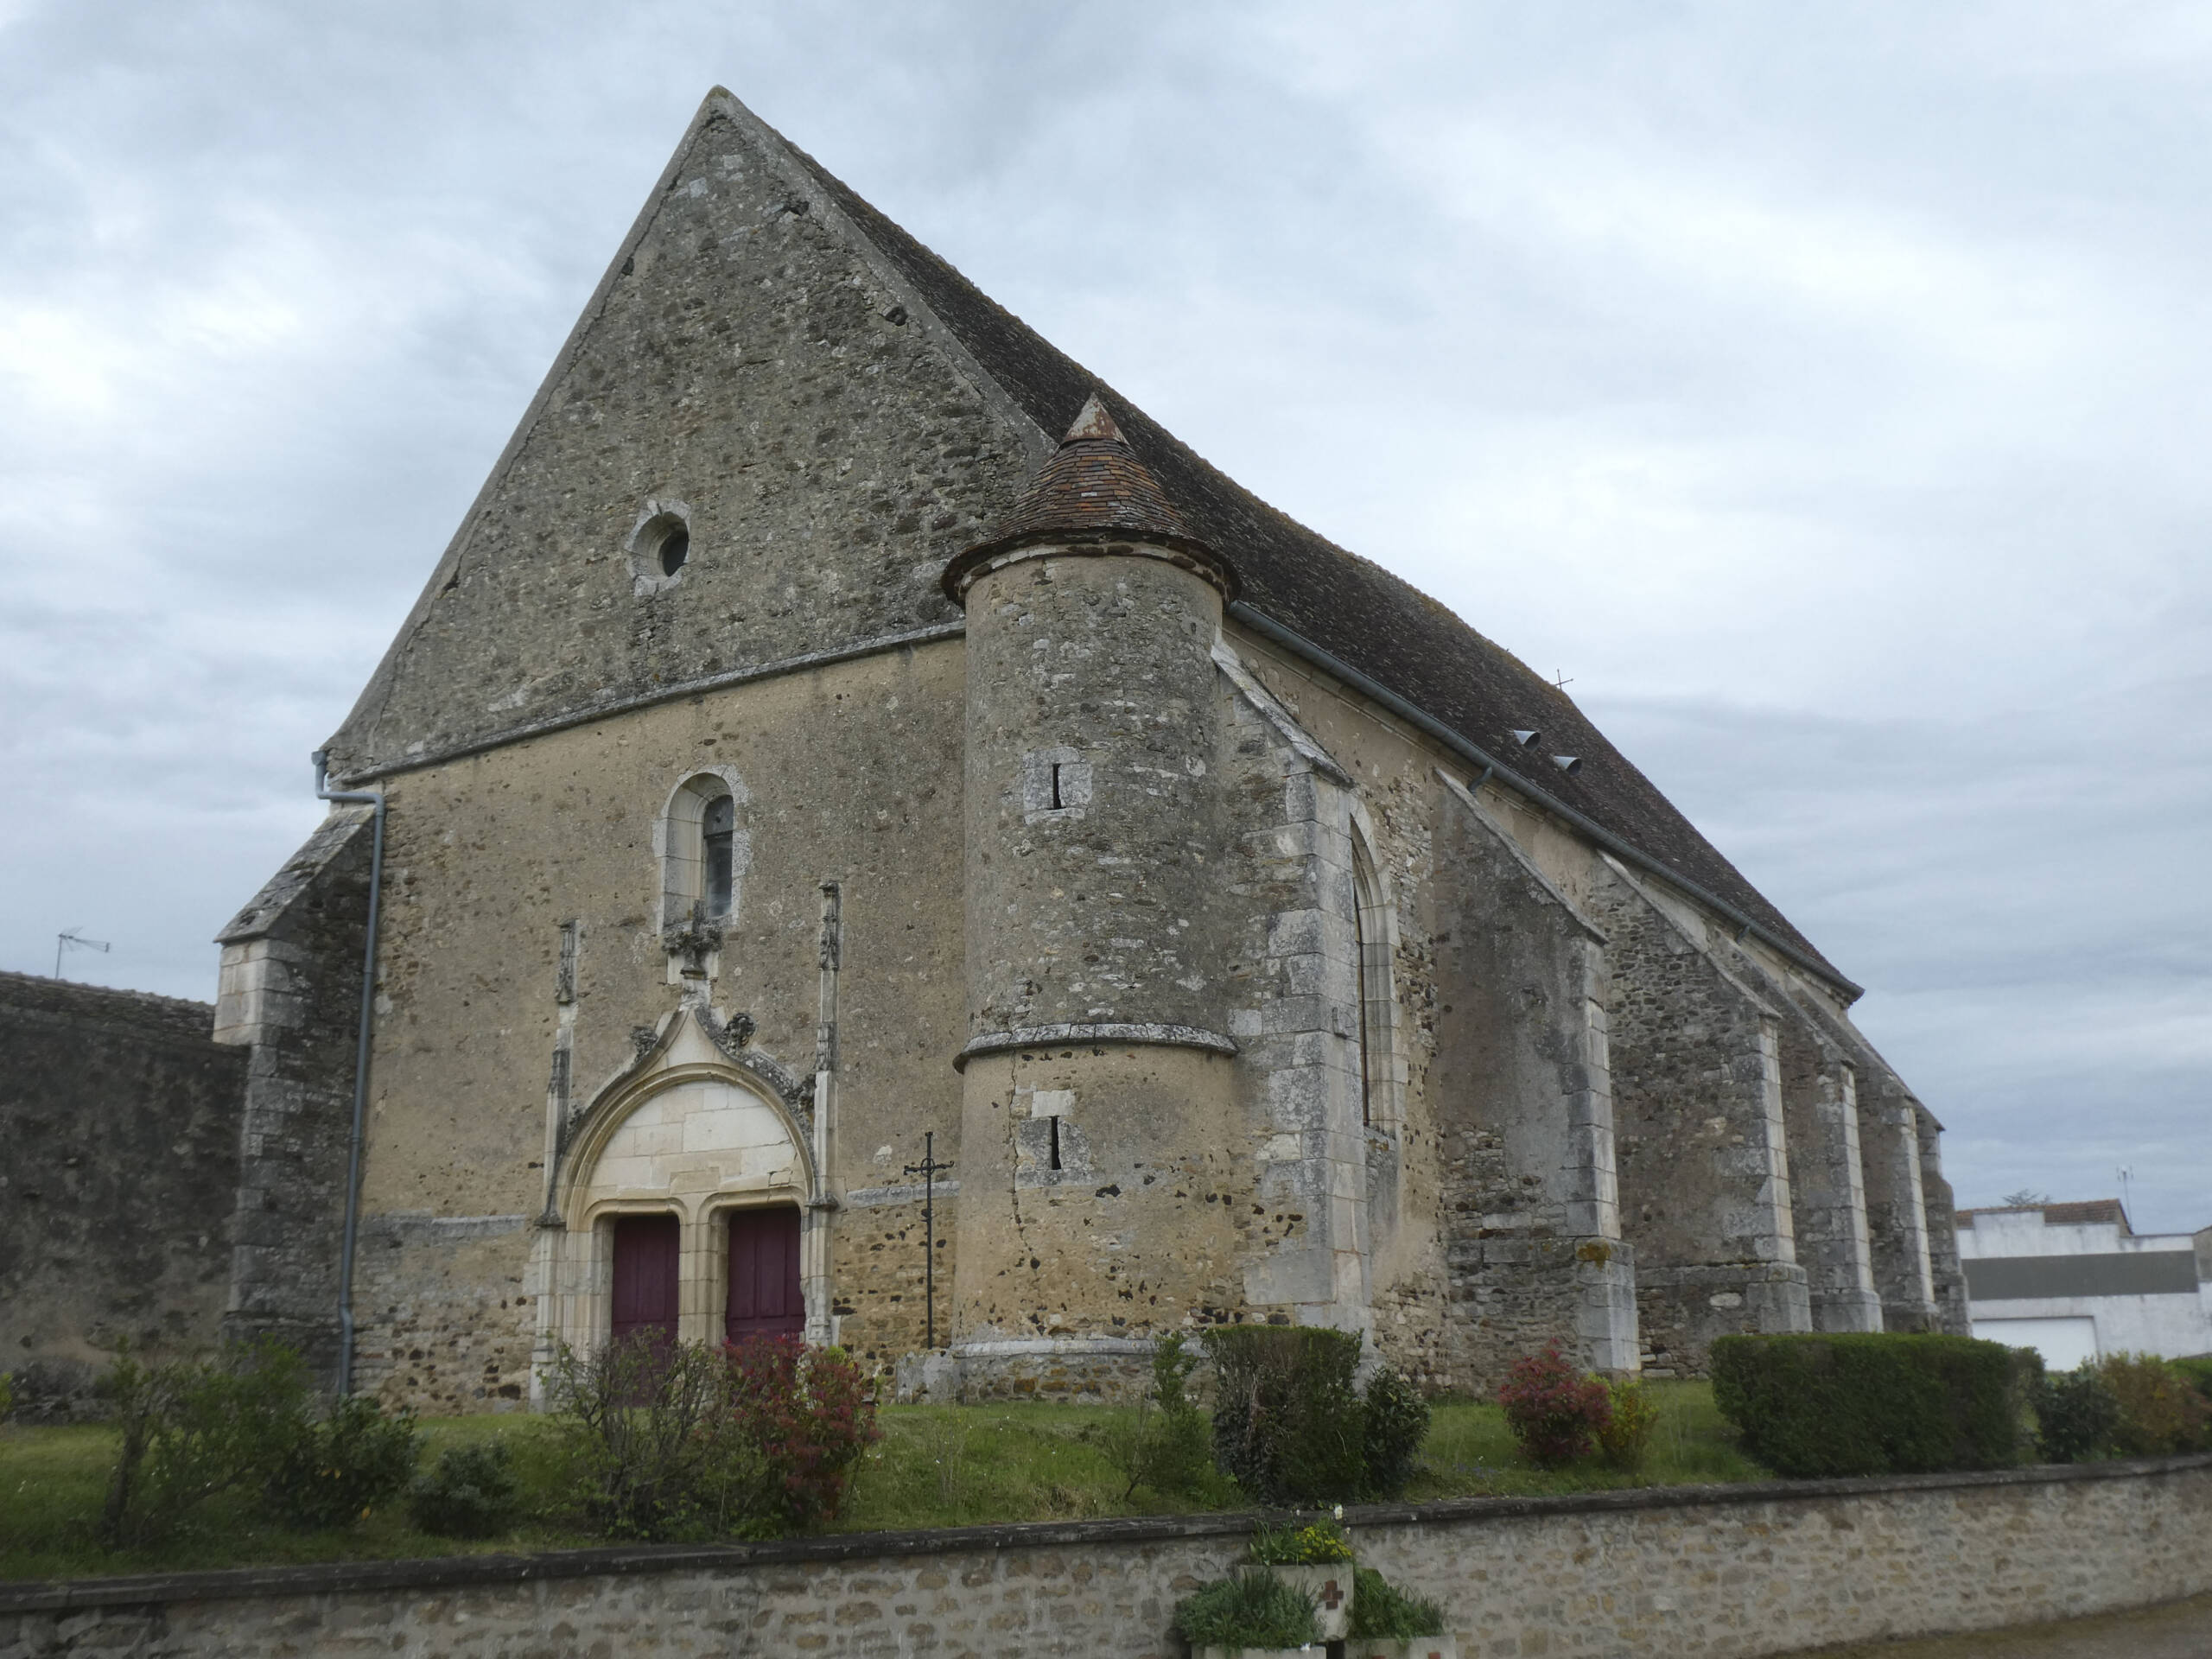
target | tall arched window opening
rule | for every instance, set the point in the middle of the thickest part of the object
(1371, 937)
(705, 851)
(718, 836)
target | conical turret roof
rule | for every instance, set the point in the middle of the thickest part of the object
(1094, 488)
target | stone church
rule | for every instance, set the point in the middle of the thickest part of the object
(865, 835)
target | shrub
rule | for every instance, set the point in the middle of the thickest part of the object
(1382, 1612)
(2075, 1415)
(2159, 1411)
(2196, 1369)
(1165, 1444)
(1624, 1439)
(7, 1396)
(1395, 1422)
(471, 1493)
(810, 1414)
(1319, 1543)
(683, 1440)
(1871, 1403)
(1555, 1411)
(1287, 1423)
(1252, 1610)
(639, 1419)
(333, 1472)
(192, 1429)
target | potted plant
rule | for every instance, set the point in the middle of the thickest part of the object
(1315, 1561)
(1388, 1623)
(1252, 1615)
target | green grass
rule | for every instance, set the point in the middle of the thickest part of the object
(936, 1466)
(53, 1481)
(1470, 1453)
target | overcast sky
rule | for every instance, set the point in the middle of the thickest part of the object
(1822, 388)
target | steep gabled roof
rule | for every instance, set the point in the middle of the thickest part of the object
(1354, 610)
(528, 624)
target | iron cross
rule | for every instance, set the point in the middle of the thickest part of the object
(927, 1169)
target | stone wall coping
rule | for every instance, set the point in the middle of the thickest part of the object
(457, 1571)
(142, 1016)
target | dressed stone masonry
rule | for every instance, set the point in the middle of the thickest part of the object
(842, 719)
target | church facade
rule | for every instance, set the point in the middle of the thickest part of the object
(865, 834)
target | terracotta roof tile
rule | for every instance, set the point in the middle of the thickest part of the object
(1093, 488)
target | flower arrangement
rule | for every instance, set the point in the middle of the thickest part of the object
(1252, 1610)
(1319, 1543)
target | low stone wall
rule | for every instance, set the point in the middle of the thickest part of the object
(1711, 1571)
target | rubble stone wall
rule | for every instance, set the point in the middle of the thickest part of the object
(119, 1118)
(1730, 1573)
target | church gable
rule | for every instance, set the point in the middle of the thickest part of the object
(780, 418)
(755, 445)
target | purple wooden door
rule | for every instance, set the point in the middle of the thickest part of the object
(646, 1252)
(765, 1299)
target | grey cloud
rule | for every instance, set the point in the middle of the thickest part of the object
(1820, 391)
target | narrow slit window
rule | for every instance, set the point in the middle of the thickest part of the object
(1372, 952)
(1055, 1122)
(1366, 1044)
(1057, 804)
(718, 826)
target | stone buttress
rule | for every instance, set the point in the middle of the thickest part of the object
(289, 991)
(1531, 1221)
(1705, 1181)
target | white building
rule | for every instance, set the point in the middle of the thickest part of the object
(2075, 1281)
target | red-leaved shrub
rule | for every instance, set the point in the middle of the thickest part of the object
(1556, 1412)
(810, 1412)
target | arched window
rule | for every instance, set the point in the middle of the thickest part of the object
(1377, 1006)
(704, 852)
(718, 835)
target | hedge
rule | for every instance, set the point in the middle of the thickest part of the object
(1875, 1403)
(2197, 1368)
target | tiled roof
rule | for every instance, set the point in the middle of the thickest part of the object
(1354, 610)
(1093, 488)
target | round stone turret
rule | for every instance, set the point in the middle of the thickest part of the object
(1099, 1091)
(1092, 613)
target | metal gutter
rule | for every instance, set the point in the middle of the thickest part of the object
(352, 1238)
(1337, 668)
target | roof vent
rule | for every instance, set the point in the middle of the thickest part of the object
(1527, 740)
(1569, 764)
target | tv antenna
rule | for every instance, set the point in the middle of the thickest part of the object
(2127, 1173)
(72, 938)
(1561, 679)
